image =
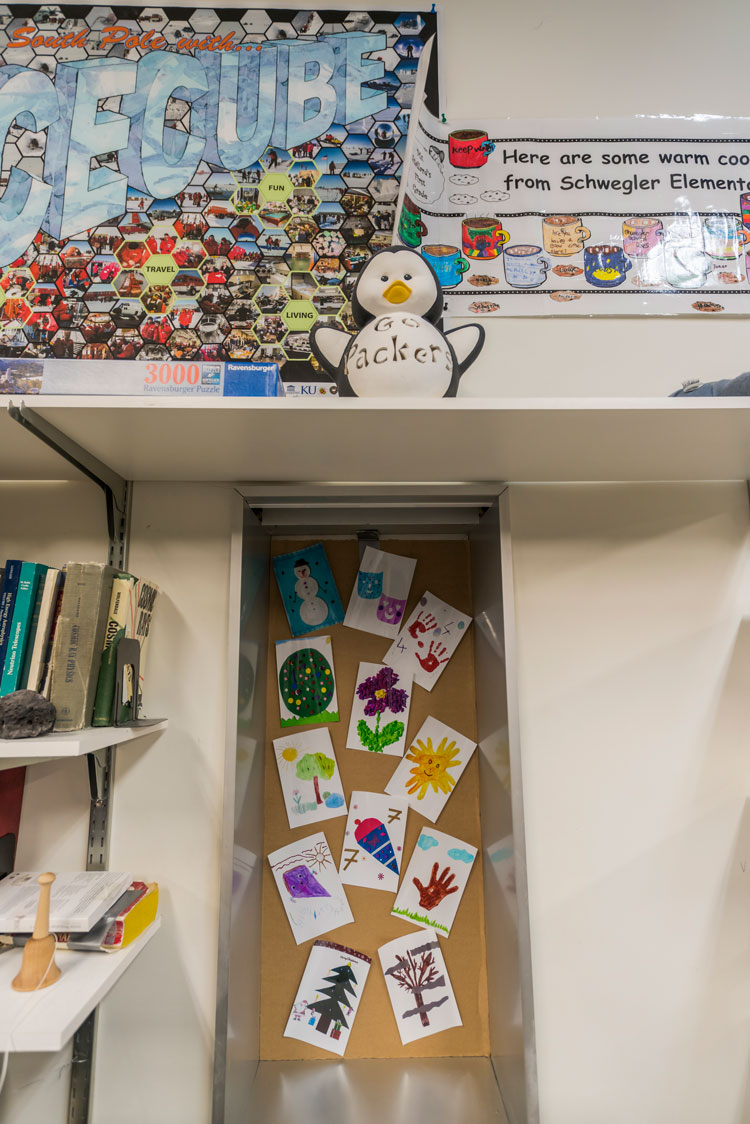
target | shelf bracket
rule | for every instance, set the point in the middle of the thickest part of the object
(114, 486)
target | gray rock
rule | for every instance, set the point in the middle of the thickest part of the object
(25, 714)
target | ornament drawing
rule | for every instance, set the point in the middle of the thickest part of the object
(308, 589)
(309, 775)
(306, 680)
(380, 692)
(372, 852)
(431, 768)
(328, 997)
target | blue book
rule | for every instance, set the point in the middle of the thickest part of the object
(7, 600)
(20, 628)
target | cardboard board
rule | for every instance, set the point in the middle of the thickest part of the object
(443, 566)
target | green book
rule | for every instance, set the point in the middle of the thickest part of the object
(120, 622)
(21, 625)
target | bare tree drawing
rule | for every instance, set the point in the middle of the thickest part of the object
(417, 972)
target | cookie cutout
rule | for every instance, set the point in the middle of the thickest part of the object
(483, 280)
(567, 270)
(463, 200)
(464, 180)
(560, 295)
(707, 306)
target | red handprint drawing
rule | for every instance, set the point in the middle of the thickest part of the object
(425, 622)
(433, 659)
(436, 889)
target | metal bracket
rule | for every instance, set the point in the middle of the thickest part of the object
(365, 539)
(100, 766)
(114, 486)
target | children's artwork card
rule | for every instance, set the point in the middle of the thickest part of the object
(380, 593)
(435, 880)
(428, 640)
(328, 996)
(380, 711)
(310, 778)
(428, 773)
(373, 847)
(308, 590)
(310, 887)
(306, 680)
(419, 987)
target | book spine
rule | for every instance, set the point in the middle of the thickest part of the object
(20, 628)
(7, 599)
(45, 679)
(46, 599)
(78, 643)
(120, 616)
(146, 594)
(33, 630)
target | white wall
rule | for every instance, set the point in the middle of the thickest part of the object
(633, 664)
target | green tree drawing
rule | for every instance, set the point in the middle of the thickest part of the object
(329, 1009)
(314, 765)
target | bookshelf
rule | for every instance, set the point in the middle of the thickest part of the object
(51, 747)
(45, 1020)
(515, 439)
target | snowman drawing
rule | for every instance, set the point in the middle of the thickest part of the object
(313, 610)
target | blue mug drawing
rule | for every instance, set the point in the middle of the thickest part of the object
(369, 585)
(605, 266)
(447, 263)
(525, 266)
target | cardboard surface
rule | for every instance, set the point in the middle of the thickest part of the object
(442, 567)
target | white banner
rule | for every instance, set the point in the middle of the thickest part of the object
(645, 215)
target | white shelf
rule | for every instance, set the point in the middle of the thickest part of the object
(45, 1020)
(461, 439)
(27, 751)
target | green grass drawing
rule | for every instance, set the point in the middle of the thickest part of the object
(420, 917)
(313, 720)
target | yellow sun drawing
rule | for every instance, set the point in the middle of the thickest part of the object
(287, 757)
(431, 767)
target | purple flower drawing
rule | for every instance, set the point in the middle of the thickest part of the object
(380, 693)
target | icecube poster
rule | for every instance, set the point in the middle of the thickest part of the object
(310, 778)
(419, 986)
(308, 590)
(380, 710)
(328, 996)
(241, 165)
(380, 592)
(373, 849)
(428, 640)
(434, 881)
(433, 764)
(306, 681)
(310, 887)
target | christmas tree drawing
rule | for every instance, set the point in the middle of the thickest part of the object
(330, 1010)
(417, 972)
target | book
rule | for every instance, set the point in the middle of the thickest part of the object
(145, 599)
(120, 617)
(21, 624)
(78, 899)
(7, 599)
(41, 627)
(45, 678)
(78, 642)
(133, 912)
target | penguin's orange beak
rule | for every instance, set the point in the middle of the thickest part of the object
(397, 292)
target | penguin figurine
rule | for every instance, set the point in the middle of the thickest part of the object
(398, 351)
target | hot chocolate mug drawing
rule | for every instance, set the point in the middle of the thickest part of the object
(483, 237)
(469, 148)
(724, 236)
(605, 266)
(525, 266)
(641, 236)
(411, 229)
(563, 235)
(447, 263)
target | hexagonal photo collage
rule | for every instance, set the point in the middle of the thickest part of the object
(241, 263)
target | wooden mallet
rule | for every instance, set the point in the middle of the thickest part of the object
(38, 968)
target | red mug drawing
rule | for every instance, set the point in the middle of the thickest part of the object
(469, 148)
